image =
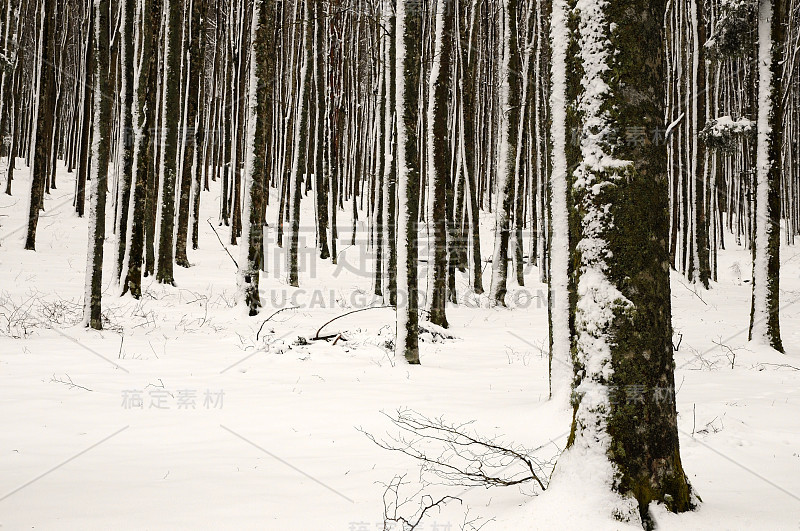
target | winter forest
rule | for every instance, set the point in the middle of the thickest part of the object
(400, 264)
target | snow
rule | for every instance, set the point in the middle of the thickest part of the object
(290, 409)
(725, 124)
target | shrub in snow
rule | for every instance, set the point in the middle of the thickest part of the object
(724, 133)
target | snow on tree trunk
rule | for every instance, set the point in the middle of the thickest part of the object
(407, 61)
(764, 314)
(143, 112)
(43, 123)
(188, 169)
(92, 311)
(509, 126)
(170, 118)
(260, 86)
(438, 163)
(125, 144)
(623, 447)
(558, 304)
(298, 159)
(320, 177)
(390, 162)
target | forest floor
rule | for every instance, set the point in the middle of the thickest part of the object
(177, 416)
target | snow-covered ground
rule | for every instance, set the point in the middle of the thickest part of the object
(236, 432)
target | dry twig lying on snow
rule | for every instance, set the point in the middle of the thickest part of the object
(465, 458)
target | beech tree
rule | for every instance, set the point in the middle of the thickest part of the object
(407, 71)
(92, 313)
(168, 136)
(764, 314)
(625, 413)
(45, 110)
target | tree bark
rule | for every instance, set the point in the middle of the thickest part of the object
(624, 394)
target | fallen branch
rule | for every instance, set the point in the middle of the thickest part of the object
(467, 460)
(273, 315)
(68, 382)
(781, 365)
(317, 336)
(222, 244)
(390, 506)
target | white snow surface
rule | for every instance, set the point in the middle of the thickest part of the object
(282, 450)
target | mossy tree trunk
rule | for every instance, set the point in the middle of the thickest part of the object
(170, 122)
(92, 313)
(261, 79)
(624, 395)
(439, 164)
(765, 308)
(409, 55)
(143, 117)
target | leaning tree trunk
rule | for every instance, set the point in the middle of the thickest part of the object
(764, 313)
(409, 54)
(625, 419)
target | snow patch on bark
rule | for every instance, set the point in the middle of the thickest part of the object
(760, 330)
(561, 359)
(585, 465)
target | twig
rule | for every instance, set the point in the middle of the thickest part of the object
(273, 315)
(784, 365)
(680, 340)
(316, 336)
(693, 292)
(466, 460)
(69, 383)
(411, 523)
(222, 244)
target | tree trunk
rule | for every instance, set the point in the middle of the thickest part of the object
(126, 133)
(142, 174)
(188, 169)
(438, 163)
(625, 412)
(765, 308)
(92, 312)
(509, 129)
(170, 119)
(44, 124)
(259, 120)
(409, 54)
